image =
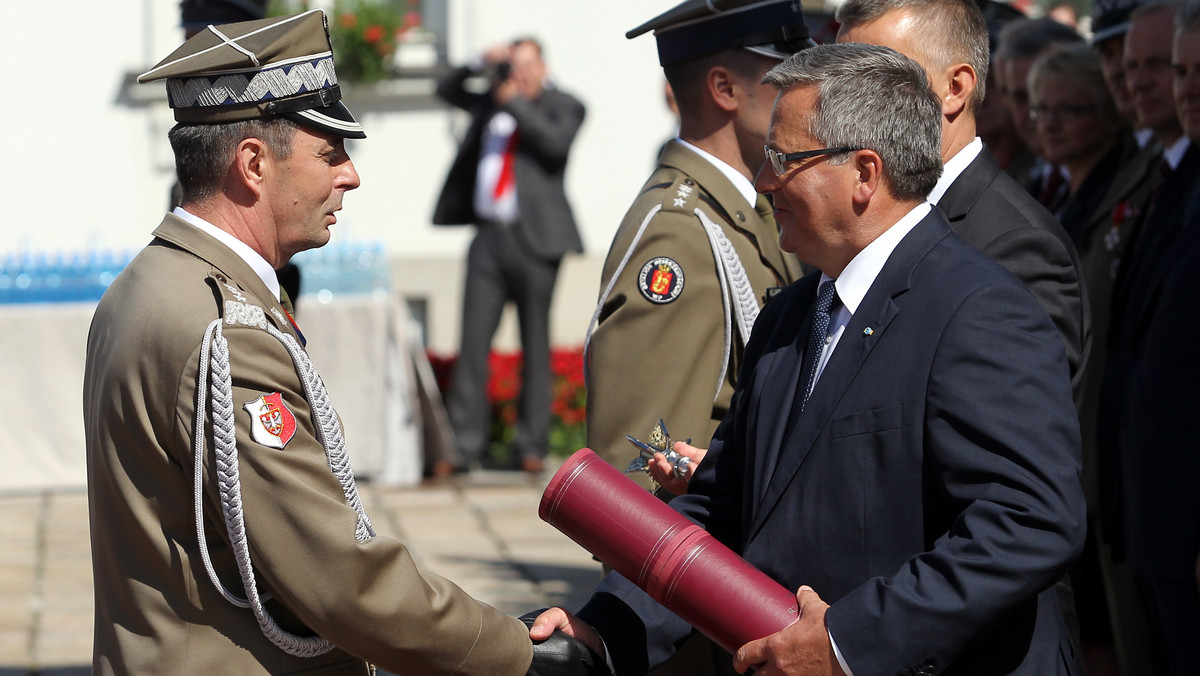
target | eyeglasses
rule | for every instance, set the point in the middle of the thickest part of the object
(1062, 113)
(779, 161)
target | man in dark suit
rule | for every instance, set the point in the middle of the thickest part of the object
(870, 453)
(984, 205)
(508, 180)
(1149, 397)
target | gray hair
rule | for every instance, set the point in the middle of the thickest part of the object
(873, 98)
(1083, 67)
(951, 32)
(203, 151)
(1188, 18)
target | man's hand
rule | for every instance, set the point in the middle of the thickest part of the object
(557, 651)
(556, 618)
(802, 647)
(497, 54)
(662, 471)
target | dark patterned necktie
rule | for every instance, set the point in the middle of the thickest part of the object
(817, 335)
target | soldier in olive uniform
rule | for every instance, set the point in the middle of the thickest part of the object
(227, 533)
(698, 252)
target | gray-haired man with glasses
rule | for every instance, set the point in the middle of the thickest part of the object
(872, 462)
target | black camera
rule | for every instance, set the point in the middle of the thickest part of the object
(503, 71)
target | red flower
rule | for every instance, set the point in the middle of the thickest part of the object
(373, 34)
(569, 397)
(504, 385)
(348, 20)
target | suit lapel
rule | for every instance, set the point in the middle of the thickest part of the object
(1168, 214)
(1136, 165)
(876, 312)
(777, 399)
(970, 184)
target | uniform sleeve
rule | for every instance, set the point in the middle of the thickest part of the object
(369, 598)
(651, 360)
(1001, 446)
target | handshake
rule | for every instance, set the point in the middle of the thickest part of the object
(563, 655)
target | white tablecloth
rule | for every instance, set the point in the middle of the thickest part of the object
(360, 345)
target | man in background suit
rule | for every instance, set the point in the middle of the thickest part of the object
(1151, 388)
(869, 453)
(984, 205)
(507, 179)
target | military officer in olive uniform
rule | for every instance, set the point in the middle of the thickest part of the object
(698, 252)
(227, 533)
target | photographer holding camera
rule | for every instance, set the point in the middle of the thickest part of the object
(507, 180)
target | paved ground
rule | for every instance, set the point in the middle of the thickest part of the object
(483, 533)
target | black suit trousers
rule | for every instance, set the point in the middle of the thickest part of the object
(501, 268)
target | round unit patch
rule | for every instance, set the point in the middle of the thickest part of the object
(661, 280)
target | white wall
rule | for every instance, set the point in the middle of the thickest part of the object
(86, 171)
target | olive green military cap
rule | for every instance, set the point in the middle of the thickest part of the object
(279, 66)
(694, 28)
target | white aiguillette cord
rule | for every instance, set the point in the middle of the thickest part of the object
(214, 354)
(733, 279)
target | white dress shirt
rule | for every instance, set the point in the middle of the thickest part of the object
(744, 186)
(955, 167)
(257, 263)
(496, 134)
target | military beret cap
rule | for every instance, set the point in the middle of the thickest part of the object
(279, 66)
(694, 28)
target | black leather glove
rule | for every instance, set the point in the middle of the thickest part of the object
(562, 655)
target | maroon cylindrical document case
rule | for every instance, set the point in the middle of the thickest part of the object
(675, 561)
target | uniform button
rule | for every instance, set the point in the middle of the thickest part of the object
(741, 217)
(688, 181)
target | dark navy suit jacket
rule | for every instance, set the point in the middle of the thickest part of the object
(1148, 403)
(930, 491)
(992, 213)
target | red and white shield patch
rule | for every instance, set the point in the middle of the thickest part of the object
(271, 423)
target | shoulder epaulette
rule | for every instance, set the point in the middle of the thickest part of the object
(681, 195)
(236, 306)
